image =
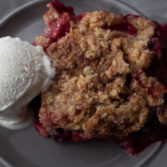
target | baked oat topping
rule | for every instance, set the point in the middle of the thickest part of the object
(102, 87)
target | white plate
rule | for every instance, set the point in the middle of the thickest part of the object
(25, 148)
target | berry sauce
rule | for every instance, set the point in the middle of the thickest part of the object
(158, 67)
(124, 27)
(137, 142)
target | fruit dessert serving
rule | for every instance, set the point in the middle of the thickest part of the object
(111, 78)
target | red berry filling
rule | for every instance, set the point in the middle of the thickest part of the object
(124, 27)
(158, 66)
(41, 129)
(61, 8)
(152, 132)
(62, 135)
(60, 26)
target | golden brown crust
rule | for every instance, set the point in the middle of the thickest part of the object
(91, 92)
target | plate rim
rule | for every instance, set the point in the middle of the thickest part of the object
(34, 2)
(20, 9)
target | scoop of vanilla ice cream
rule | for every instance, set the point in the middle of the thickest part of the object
(25, 71)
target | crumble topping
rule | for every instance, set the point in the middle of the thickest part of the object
(101, 88)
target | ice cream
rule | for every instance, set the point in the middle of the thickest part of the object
(25, 71)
